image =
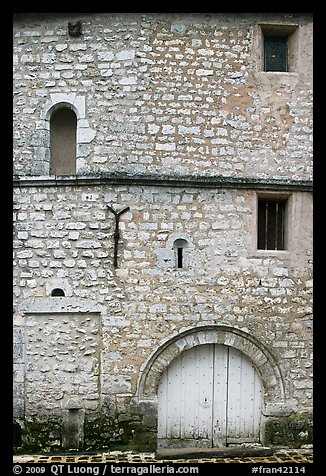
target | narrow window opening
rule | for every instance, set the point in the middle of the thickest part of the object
(63, 133)
(271, 224)
(179, 257)
(57, 292)
(179, 247)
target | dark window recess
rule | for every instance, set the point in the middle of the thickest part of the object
(17, 435)
(180, 257)
(63, 133)
(179, 247)
(276, 53)
(57, 292)
(271, 224)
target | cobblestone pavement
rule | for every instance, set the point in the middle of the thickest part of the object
(280, 456)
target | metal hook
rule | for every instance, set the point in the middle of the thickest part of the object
(116, 235)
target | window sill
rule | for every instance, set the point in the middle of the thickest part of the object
(280, 73)
(280, 254)
(276, 78)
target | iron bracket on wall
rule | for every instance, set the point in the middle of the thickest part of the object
(116, 235)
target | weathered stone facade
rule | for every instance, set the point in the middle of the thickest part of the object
(176, 120)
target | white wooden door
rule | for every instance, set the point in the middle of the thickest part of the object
(219, 355)
(244, 401)
(208, 397)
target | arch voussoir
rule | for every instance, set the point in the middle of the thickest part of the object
(250, 346)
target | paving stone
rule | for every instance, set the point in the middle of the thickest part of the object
(280, 456)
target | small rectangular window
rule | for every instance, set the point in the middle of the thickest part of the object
(180, 257)
(179, 247)
(271, 224)
(276, 53)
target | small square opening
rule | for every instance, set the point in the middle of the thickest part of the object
(279, 48)
(275, 53)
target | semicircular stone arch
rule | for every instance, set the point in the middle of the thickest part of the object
(258, 353)
(40, 139)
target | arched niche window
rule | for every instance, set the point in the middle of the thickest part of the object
(57, 292)
(63, 127)
(179, 247)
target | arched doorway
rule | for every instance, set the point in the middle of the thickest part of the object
(209, 396)
(250, 348)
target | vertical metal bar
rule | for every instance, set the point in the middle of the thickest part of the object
(282, 225)
(266, 226)
(116, 235)
(276, 225)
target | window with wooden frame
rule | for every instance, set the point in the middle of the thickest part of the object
(275, 53)
(271, 223)
(280, 47)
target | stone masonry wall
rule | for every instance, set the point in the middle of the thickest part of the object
(157, 95)
(65, 240)
(166, 93)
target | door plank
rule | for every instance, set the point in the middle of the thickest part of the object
(244, 399)
(205, 377)
(220, 359)
(210, 395)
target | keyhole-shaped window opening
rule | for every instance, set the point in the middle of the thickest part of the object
(57, 292)
(63, 133)
(179, 247)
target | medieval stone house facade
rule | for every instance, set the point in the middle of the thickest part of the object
(163, 229)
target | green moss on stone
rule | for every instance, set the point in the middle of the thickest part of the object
(41, 435)
(109, 432)
(100, 431)
(293, 431)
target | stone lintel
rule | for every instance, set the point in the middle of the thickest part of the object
(196, 181)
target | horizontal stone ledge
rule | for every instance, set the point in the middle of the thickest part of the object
(222, 452)
(60, 305)
(195, 181)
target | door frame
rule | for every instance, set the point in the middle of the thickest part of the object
(201, 393)
(262, 358)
